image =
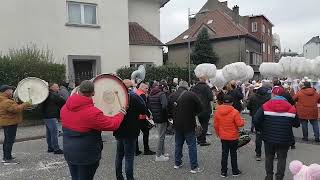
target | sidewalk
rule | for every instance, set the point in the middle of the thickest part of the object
(27, 133)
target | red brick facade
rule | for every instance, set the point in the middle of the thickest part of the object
(261, 28)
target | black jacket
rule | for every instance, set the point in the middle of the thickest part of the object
(82, 148)
(158, 103)
(52, 105)
(275, 120)
(203, 91)
(129, 127)
(257, 100)
(237, 97)
(288, 97)
(184, 110)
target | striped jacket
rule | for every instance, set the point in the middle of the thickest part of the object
(275, 120)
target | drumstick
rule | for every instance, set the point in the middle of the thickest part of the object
(30, 100)
(118, 98)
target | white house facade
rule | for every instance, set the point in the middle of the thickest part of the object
(144, 18)
(311, 49)
(89, 36)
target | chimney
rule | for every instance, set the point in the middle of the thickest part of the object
(236, 15)
(225, 3)
(192, 20)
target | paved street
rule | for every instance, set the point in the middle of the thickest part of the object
(37, 164)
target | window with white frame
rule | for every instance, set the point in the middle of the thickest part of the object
(264, 47)
(269, 32)
(269, 49)
(263, 28)
(254, 27)
(82, 13)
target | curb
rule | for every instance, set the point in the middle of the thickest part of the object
(27, 138)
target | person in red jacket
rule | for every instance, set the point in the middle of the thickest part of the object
(82, 124)
(227, 121)
(306, 103)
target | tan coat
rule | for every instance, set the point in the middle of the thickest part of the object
(10, 111)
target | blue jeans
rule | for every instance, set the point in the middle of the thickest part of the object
(52, 134)
(9, 138)
(190, 137)
(315, 125)
(83, 172)
(126, 147)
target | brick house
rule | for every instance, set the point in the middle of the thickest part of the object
(234, 38)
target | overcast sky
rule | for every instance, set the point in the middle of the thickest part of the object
(296, 21)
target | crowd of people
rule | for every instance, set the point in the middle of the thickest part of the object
(275, 107)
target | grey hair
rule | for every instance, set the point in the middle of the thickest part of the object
(86, 87)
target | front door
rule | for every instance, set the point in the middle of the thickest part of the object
(83, 70)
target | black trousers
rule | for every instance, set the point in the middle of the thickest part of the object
(9, 138)
(204, 118)
(83, 172)
(258, 143)
(145, 131)
(271, 150)
(229, 146)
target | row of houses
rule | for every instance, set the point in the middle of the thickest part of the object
(99, 36)
(233, 37)
(89, 36)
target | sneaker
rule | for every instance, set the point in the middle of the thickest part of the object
(138, 153)
(258, 158)
(50, 150)
(293, 147)
(238, 173)
(59, 151)
(205, 144)
(161, 158)
(10, 162)
(317, 140)
(166, 155)
(196, 170)
(177, 167)
(304, 139)
(149, 152)
(209, 134)
(224, 175)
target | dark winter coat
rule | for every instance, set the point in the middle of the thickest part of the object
(129, 127)
(203, 91)
(237, 97)
(158, 103)
(52, 105)
(257, 100)
(184, 110)
(275, 120)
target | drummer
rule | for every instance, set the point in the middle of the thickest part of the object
(82, 125)
(10, 117)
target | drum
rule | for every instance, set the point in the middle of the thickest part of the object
(110, 94)
(33, 89)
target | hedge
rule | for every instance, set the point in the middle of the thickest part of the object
(29, 62)
(159, 72)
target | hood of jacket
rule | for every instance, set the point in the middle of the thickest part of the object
(278, 104)
(77, 102)
(225, 109)
(308, 91)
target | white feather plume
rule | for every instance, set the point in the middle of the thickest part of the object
(205, 70)
(271, 70)
(234, 71)
(219, 81)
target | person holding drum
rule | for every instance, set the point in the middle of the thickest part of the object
(51, 113)
(82, 124)
(10, 117)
